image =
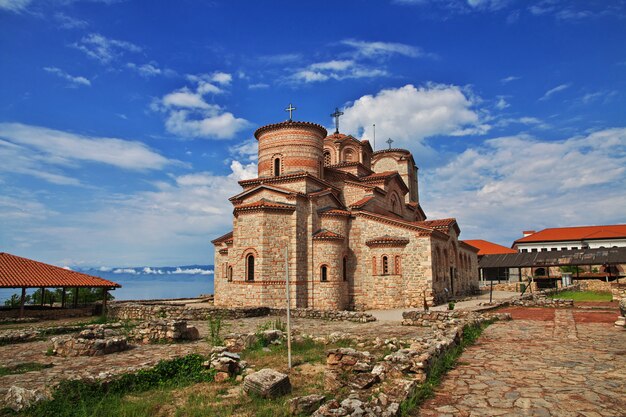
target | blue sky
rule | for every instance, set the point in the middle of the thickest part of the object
(125, 125)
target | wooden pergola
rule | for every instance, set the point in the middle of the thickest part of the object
(18, 272)
(576, 257)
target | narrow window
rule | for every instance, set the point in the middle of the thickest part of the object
(398, 266)
(385, 265)
(374, 271)
(277, 167)
(250, 267)
(230, 273)
(345, 268)
(324, 273)
(327, 160)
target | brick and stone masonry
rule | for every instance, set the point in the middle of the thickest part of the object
(351, 220)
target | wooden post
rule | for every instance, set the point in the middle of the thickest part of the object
(491, 291)
(63, 298)
(288, 308)
(75, 297)
(43, 292)
(105, 292)
(22, 301)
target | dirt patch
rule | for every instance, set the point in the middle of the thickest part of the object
(529, 313)
(608, 317)
(609, 305)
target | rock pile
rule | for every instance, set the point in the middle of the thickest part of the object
(267, 383)
(305, 405)
(237, 342)
(30, 334)
(164, 330)
(227, 364)
(347, 366)
(18, 398)
(330, 315)
(89, 342)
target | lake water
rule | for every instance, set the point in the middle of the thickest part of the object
(145, 286)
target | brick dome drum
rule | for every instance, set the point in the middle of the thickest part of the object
(290, 147)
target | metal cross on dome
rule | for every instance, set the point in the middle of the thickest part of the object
(389, 141)
(290, 109)
(336, 115)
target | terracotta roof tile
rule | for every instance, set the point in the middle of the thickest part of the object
(362, 202)
(327, 235)
(264, 204)
(379, 176)
(290, 123)
(223, 238)
(488, 248)
(335, 212)
(438, 223)
(16, 272)
(387, 240)
(556, 234)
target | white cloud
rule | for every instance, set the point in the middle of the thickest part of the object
(74, 81)
(510, 78)
(258, 86)
(192, 271)
(69, 22)
(248, 149)
(382, 49)
(190, 116)
(409, 114)
(554, 90)
(150, 69)
(16, 6)
(124, 271)
(515, 183)
(55, 147)
(139, 228)
(491, 5)
(336, 70)
(104, 49)
(502, 104)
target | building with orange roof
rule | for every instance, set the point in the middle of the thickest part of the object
(568, 238)
(18, 272)
(351, 220)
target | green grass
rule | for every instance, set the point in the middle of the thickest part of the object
(583, 295)
(80, 398)
(439, 368)
(23, 368)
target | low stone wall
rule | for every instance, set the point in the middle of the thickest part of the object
(543, 301)
(50, 313)
(30, 334)
(90, 342)
(152, 311)
(445, 319)
(140, 311)
(164, 330)
(330, 315)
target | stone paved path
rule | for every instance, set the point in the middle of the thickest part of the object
(557, 367)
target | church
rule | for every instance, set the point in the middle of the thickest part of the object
(351, 222)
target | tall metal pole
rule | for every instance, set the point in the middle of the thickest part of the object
(288, 307)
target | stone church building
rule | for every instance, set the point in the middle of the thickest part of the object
(350, 217)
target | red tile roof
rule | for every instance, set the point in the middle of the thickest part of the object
(290, 123)
(264, 204)
(16, 272)
(557, 234)
(379, 176)
(224, 238)
(488, 248)
(327, 235)
(362, 202)
(387, 240)
(335, 212)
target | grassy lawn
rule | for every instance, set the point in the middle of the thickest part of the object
(583, 295)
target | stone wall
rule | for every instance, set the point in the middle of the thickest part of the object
(136, 311)
(163, 330)
(330, 315)
(29, 334)
(48, 313)
(90, 342)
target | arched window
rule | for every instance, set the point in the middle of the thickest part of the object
(540, 272)
(250, 267)
(385, 265)
(324, 273)
(397, 265)
(394, 207)
(344, 268)
(277, 167)
(374, 271)
(327, 160)
(348, 155)
(229, 273)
